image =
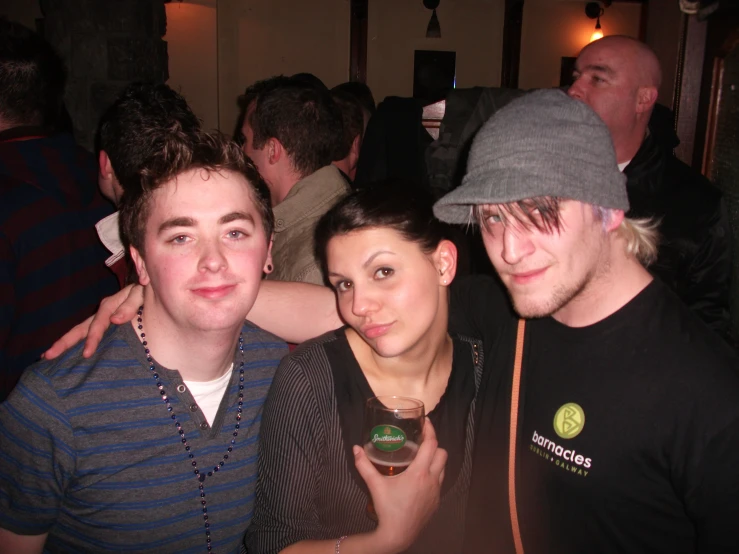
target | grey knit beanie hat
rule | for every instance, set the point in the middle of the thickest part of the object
(542, 144)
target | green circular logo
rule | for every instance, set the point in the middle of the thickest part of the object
(387, 438)
(569, 420)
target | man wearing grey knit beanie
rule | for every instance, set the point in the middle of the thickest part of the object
(609, 413)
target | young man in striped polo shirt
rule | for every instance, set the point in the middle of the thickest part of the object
(150, 445)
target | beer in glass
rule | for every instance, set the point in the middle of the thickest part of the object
(393, 430)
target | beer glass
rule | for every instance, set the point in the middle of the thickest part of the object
(393, 430)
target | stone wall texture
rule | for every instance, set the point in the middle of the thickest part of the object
(106, 44)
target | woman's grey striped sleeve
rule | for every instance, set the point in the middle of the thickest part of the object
(291, 442)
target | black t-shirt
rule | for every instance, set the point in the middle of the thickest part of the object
(628, 430)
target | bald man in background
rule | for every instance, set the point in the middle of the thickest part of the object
(619, 77)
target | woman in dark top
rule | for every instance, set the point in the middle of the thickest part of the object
(388, 260)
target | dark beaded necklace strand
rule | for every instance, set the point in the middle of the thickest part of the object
(198, 475)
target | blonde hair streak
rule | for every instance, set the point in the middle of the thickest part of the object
(641, 237)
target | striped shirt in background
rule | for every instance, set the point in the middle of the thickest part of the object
(89, 453)
(52, 265)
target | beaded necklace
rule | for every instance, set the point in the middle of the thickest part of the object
(198, 475)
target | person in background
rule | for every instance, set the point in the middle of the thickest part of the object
(52, 269)
(619, 78)
(291, 131)
(363, 95)
(390, 264)
(131, 133)
(347, 157)
(309, 79)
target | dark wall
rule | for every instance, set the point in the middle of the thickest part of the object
(724, 162)
(106, 44)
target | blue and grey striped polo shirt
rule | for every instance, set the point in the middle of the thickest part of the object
(90, 455)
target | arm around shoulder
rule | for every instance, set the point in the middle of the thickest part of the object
(295, 312)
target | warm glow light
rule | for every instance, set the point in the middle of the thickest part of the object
(598, 33)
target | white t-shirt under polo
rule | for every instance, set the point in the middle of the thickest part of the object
(208, 394)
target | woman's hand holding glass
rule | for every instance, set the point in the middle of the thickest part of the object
(404, 503)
